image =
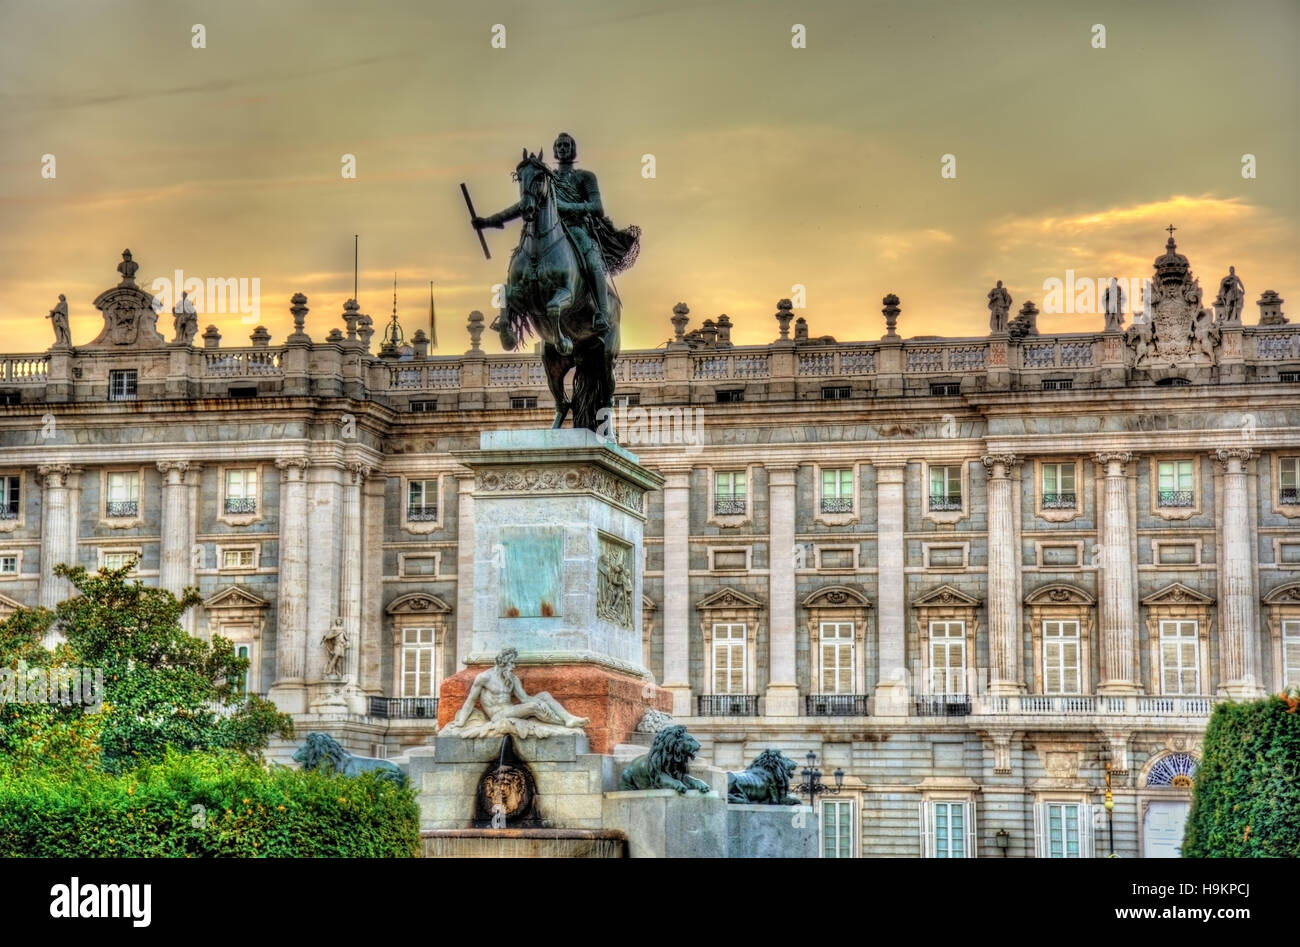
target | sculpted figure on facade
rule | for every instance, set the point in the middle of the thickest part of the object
(336, 648)
(1205, 335)
(185, 320)
(490, 709)
(999, 306)
(59, 317)
(1140, 340)
(1112, 304)
(1232, 296)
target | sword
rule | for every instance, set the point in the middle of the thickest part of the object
(470, 204)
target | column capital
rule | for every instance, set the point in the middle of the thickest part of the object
(288, 463)
(1000, 466)
(1233, 459)
(173, 466)
(1108, 457)
(358, 471)
(54, 475)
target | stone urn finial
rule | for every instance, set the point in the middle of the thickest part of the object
(724, 329)
(211, 338)
(891, 312)
(350, 311)
(475, 326)
(784, 313)
(681, 312)
(801, 329)
(299, 310)
(260, 338)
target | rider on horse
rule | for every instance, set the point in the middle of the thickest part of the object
(602, 249)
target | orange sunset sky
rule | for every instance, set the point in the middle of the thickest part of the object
(774, 165)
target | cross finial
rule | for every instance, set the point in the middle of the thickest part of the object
(1171, 228)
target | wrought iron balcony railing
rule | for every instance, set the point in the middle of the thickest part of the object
(1285, 495)
(122, 507)
(942, 705)
(421, 514)
(837, 504)
(1176, 498)
(1060, 501)
(944, 504)
(241, 504)
(835, 705)
(8, 512)
(727, 705)
(724, 505)
(404, 708)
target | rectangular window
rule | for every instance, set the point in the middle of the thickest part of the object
(945, 488)
(945, 389)
(237, 558)
(838, 658)
(123, 494)
(947, 657)
(940, 557)
(1179, 668)
(729, 560)
(628, 399)
(419, 565)
(836, 393)
(423, 407)
(241, 491)
(1290, 654)
(524, 403)
(1063, 830)
(730, 395)
(729, 658)
(421, 501)
(729, 493)
(837, 828)
(829, 559)
(1061, 657)
(8, 563)
(120, 560)
(837, 490)
(122, 384)
(9, 498)
(949, 829)
(1058, 384)
(1288, 480)
(417, 662)
(1176, 554)
(1176, 481)
(1060, 555)
(245, 651)
(1058, 487)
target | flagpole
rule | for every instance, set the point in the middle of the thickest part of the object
(433, 319)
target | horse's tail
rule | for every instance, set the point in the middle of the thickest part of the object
(592, 390)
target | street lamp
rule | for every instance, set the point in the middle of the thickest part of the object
(1110, 813)
(812, 785)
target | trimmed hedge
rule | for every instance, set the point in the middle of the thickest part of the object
(218, 804)
(1246, 801)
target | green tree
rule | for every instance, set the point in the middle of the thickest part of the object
(162, 687)
(1246, 800)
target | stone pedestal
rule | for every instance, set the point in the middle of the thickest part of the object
(772, 832)
(662, 823)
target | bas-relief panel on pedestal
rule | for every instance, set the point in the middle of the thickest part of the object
(530, 559)
(614, 586)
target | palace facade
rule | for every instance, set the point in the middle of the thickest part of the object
(975, 575)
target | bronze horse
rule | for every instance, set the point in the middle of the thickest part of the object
(547, 294)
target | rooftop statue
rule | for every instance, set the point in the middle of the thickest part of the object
(557, 279)
(1112, 304)
(1232, 296)
(999, 306)
(59, 317)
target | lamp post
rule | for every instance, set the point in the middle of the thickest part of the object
(1110, 813)
(812, 784)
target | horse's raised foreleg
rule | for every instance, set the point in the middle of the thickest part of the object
(557, 366)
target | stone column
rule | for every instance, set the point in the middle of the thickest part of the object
(324, 529)
(1239, 674)
(55, 532)
(1115, 603)
(1003, 577)
(464, 570)
(677, 589)
(194, 554)
(289, 690)
(350, 580)
(891, 681)
(174, 552)
(372, 585)
(782, 698)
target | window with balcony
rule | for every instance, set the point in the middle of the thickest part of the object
(123, 497)
(418, 672)
(123, 384)
(729, 493)
(837, 657)
(947, 657)
(729, 646)
(838, 828)
(1290, 654)
(1180, 671)
(1058, 487)
(945, 489)
(9, 496)
(1061, 657)
(948, 828)
(837, 490)
(422, 501)
(1176, 483)
(241, 491)
(1288, 481)
(1063, 830)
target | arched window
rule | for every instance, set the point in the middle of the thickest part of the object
(1176, 769)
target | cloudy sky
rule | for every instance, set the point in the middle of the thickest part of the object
(774, 165)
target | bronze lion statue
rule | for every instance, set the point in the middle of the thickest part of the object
(766, 782)
(667, 765)
(321, 749)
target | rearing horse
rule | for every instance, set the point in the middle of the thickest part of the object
(547, 293)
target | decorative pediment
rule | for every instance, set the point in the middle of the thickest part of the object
(836, 596)
(729, 598)
(1288, 594)
(234, 596)
(8, 606)
(418, 603)
(130, 314)
(1060, 594)
(946, 595)
(1177, 594)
